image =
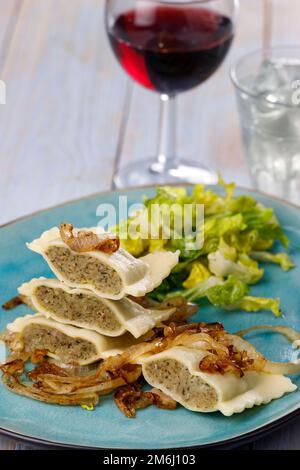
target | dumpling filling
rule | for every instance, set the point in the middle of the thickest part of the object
(89, 310)
(174, 377)
(57, 343)
(84, 269)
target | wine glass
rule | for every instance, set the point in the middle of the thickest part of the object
(169, 47)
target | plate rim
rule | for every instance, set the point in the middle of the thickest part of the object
(245, 438)
(234, 441)
(135, 188)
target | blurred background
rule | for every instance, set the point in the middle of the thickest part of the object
(72, 117)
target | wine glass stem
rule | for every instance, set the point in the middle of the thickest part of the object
(167, 134)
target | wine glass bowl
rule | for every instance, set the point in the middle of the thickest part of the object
(169, 47)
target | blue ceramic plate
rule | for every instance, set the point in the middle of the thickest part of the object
(106, 427)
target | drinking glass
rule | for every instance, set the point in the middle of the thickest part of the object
(169, 47)
(268, 91)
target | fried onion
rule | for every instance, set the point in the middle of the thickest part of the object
(162, 400)
(13, 303)
(31, 391)
(131, 398)
(58, 383)
(51, 383)
(85, 241)
(270, 367)
(48, 388)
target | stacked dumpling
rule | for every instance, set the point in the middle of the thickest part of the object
(85, 314)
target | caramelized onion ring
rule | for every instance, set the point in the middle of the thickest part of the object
(291, 334)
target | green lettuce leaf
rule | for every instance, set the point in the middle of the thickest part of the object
(241, 204)
(199, 291)
(217, 227)
(282, 259)
(229, 252)
(227, 293)
(167, 195)
(198, 274)
(265, 222)
(238, 233)
(228, 187)
(256, 304)
(222, 267)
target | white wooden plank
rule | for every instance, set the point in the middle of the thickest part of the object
(286, 23)
(64, 99)
(58, 104)
(9, 11)
(8, 17)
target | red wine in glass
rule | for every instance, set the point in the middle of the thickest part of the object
(169, 46)
(172, 50)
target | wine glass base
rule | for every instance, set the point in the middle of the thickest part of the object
(148, 172)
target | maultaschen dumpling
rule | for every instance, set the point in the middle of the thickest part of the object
(110, 275)
(176, 372)
(64, 343)
(85, 309)
(206, 369)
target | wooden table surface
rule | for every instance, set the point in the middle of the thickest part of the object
(72, 117)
